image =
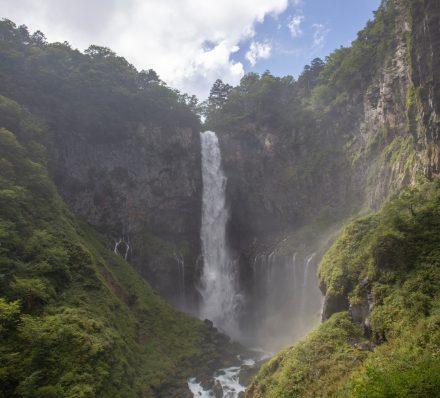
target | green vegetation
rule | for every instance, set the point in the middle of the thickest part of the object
(393, 259)
(322, 88)
(75, 319)
(314, 367)
(312, 131)
(77, 93)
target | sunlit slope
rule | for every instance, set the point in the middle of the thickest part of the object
(388, 262)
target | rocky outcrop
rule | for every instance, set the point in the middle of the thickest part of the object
(333, 304)
(424, 41)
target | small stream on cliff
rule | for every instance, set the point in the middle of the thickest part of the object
(280, 303)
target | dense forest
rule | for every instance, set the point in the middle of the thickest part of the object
(101, 198)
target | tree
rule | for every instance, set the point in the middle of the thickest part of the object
(219, 94)
(147, 77)
(38, 39)
(99, 52)
(309, 78)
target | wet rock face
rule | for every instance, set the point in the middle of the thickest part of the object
(146, 189)
(217, 389)
(360, 314)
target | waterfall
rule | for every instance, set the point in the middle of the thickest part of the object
(306, 270)
(305, 285)
(181, 276)
(126, 245)
(219, 290)
(284, 298)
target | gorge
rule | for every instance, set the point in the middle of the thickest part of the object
(154, 248)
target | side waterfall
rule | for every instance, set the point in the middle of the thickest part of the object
(285, 299)
(219, 287)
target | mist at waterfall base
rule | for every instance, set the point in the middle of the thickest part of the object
(283, 301)
(270, 301)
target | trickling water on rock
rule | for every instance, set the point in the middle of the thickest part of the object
(219, 285)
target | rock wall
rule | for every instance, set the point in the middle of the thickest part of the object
(424, 38)
(143, 191)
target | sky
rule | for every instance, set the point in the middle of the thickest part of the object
(191, 43)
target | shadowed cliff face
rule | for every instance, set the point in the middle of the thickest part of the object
(144, 191)
(425, 61)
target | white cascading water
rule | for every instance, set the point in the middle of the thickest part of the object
(219, 290)
(286, 299)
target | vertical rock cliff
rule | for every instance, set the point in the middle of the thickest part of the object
(144, 191)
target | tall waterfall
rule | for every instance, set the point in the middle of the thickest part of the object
(219, 290)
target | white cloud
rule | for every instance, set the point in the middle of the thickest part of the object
(258, 51)
(319, 35)
(294, 25)
(167, 35)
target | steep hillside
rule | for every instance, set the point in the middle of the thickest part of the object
(75, 319)
(124, 150)
(385, 270)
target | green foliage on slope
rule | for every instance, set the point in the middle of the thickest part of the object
(322, 88)
(75, 319)
(313, 367)
(391, 258)
(79, 93)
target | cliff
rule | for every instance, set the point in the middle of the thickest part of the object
(76, 319)
(124, 151)
(304, 156)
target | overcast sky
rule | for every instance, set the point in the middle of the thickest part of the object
(190, 43)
